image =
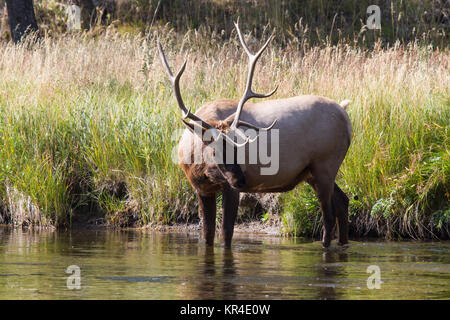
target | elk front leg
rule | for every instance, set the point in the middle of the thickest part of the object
(230, 199)
(207, 207)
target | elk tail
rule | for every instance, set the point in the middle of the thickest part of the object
(344, 104)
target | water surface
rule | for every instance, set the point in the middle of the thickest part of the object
(154, 265)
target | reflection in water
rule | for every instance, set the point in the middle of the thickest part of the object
(218, 276)
(329, 272)
(206, 281)
(229, 274)
(151, 265)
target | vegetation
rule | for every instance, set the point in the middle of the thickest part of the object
(88, 123)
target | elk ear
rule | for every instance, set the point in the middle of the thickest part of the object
(191, 126)
(229, 120)
(198, 130)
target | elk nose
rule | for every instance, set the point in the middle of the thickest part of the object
(241, 183)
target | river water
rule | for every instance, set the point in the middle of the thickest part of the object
(153, 265)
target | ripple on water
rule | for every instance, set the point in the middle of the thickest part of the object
(136, 278)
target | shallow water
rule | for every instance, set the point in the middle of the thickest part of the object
(152, 265)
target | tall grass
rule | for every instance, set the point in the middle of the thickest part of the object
(397, 167)
(87, 126)
(312, 22)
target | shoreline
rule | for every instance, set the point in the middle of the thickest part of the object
(243, 229)
(254, 227)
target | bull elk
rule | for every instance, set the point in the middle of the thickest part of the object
(313, 134)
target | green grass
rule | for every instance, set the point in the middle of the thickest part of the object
(88, 126)
(397, 167)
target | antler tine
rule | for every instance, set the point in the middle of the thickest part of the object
(246, 124)
(249, 125)
(248, 94)
(164, 60)
(175, 80)
(192, 125)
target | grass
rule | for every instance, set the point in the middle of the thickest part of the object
(310, 21)
(88, 126)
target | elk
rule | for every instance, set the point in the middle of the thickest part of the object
(314, 135)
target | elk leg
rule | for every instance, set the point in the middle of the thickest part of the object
(324, 191)
(207, 207)
(230, 201)
(329, 221)
(340, 205)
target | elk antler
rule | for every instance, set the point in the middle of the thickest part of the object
(175, 80)
(253, 58)
(176, 89)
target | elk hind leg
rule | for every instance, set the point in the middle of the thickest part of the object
(340, 206)
(323, 187)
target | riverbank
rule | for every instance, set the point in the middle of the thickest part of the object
(89, 125)
(250, 227)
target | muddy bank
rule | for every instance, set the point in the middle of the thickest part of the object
(272, 226)
(255, 227)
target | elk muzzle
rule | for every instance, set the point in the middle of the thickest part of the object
(233, 174)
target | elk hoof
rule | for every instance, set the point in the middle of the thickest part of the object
(326, 240)
(227, 245)
(326, 243)
(209, 242)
